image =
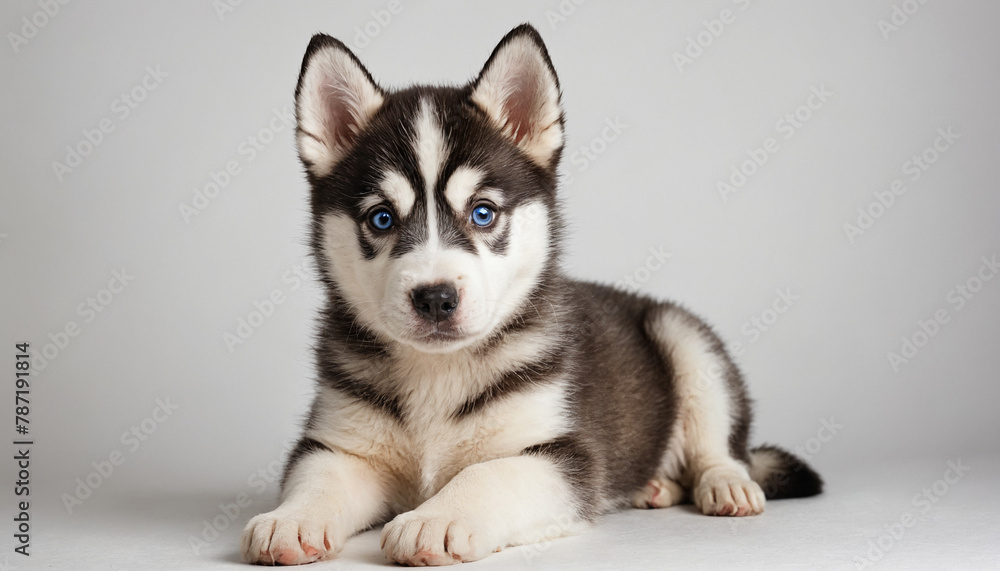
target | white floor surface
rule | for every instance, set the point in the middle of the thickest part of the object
(899, 515)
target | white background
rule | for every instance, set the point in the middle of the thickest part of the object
(226, 75)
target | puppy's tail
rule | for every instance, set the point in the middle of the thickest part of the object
(781, 474)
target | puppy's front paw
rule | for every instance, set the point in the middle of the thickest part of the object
(728, 495)
(289, 536)
(416, 539)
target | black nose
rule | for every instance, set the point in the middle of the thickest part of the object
(435, 303)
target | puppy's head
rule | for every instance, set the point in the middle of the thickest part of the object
(433, 207)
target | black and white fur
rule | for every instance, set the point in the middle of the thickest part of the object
(470, 394)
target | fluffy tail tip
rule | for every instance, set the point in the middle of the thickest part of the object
(781, 474)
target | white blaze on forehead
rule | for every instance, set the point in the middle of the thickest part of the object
(431, 152)
(461, 186)
(397, 189)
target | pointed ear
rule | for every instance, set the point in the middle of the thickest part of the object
(518, 90)
(334, 101)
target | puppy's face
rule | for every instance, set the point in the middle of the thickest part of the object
(432, 206)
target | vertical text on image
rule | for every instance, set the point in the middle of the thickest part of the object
(22, 447)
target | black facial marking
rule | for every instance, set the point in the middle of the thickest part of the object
(368, 249)
(387, 144)
(500, 239)
(454, 234)
(408, 237)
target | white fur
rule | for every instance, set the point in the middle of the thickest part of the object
(461, 187)
(487, 506)
(764, 463)
(490, 286)
(431, 153)
(518, 87)
(327, 498)
(698, 451)
(335, 103)
(659, 492)
(398, 191)
(435, 463)
(429, 450)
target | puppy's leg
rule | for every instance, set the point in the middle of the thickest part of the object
(713, 415)
(486, 507)
(327, 497)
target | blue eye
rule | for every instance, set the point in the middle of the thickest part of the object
(381, 219)
(482, 216)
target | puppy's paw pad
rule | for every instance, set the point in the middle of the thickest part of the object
(658, 493)
(412, 539)
(289, 537)
(729, 496)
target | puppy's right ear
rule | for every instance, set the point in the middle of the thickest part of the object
(334, 101)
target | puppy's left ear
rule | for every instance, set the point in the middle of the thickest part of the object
(518, 90)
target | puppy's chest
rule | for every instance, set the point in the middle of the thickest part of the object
(438, 439)
(435, 438)
(433, 450)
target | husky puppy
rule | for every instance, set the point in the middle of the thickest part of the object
(469, 393)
